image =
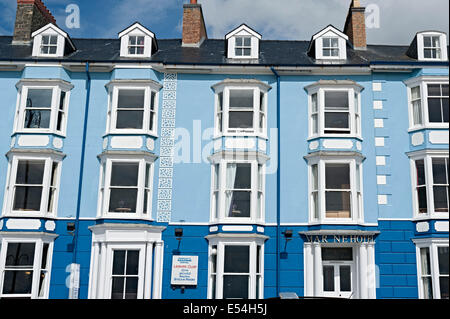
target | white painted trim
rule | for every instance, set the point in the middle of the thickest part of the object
(420, 45)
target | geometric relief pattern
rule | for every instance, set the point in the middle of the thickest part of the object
(167, 142)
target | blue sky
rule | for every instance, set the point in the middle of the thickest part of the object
(399, 20)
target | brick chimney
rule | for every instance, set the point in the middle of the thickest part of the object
(355, 25)
(31, 15)
(194, 30)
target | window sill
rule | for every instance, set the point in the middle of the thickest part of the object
(428, 126)
(259, 135)
(131, 132)
(335, 222)
(28, 214)
(314, 137)
(125, 216)
(40, 132)
(431, 216)
(237, 221)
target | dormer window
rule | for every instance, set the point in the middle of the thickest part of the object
(429, 46)
(50, 41)
(243, 46)
(243, 43)
(328, 44)
(49, 44)
(330, 47)
(137, 42)
(136, 45)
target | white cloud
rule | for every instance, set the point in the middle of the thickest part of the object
(299, 20)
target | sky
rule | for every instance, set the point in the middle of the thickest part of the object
(389, 21)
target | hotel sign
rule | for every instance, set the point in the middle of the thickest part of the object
(340, 239)
(184, 270)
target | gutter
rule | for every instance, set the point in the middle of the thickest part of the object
(278, 183)
(80, 181)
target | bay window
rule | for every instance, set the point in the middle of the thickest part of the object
(428, 102)
(133, 107)
(430, 173)
(334, 110)
(236, 268)
(432, 268)
(126, 185)
(237, 191)
(241, 108)
(33, 183)
(25, 265)
(335, 189)
(42, 107)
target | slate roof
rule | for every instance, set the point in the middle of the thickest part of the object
(211, 52)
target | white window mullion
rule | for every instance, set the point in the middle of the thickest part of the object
(429, 183)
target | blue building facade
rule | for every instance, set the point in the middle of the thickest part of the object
(234, 168)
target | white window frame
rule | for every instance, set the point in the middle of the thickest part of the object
(105, 189)
(356, 196)
(421, 45)
(219, 216)
(109, 237)
(427, 157)
(252, 241)
(432, 244)
(258, 92)
(14, 159)
(50, 30)
(57, 87)
(354, 111)
(329, 32)
(148, 87)
(39, 240)
(423, 82)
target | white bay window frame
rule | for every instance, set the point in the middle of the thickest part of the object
(427, 156)
(223, 108)
(144, 186)
(150, 108)
(432, 244)
(220, 189)
(50, 183)
(216, 261)
(317, 110)
(60, 89)
(41, 268)
(317, 193)
(422, 83)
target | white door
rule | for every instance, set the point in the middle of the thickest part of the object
(338, 279)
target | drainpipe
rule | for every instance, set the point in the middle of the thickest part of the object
(83, 151)
(278, 182)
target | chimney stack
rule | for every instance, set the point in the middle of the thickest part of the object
(355, 25)
(31, 15)
(194, 30)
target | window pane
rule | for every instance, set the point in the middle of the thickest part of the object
(119, 262)
(17, 282)
(41, 98)
(247, 51)
(27, 198)
(131, 99)
(434, 90)
(130, 120)
(445, 90)
(123, 200)
(443, 260)
(345, 277)
(336, 120)
(415, 93)
(30, 172)
(117, 288)
(425, 261)
(247, 41)
(242, 177)
(238, 41)
(337, 204)
(434, 110)
(53, 39)
(240, 204)
(315, 177)
(124, 174)
(237, 259)
(131, 288)
(235, 287)
(337, 254)
(420, 171)
(417, 112)
(337, 176)
(240, 120)
(132, 262)
(37, 119)
(336, 100)
(439, 171)
(422, 197)
(20, 254)
(427, 42)
(328, 278)
(427, 288)
(241, 99)
(314, 104)
(445, 111)
(443, 286)
(440, 198)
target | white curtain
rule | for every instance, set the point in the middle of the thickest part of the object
(231, 177)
